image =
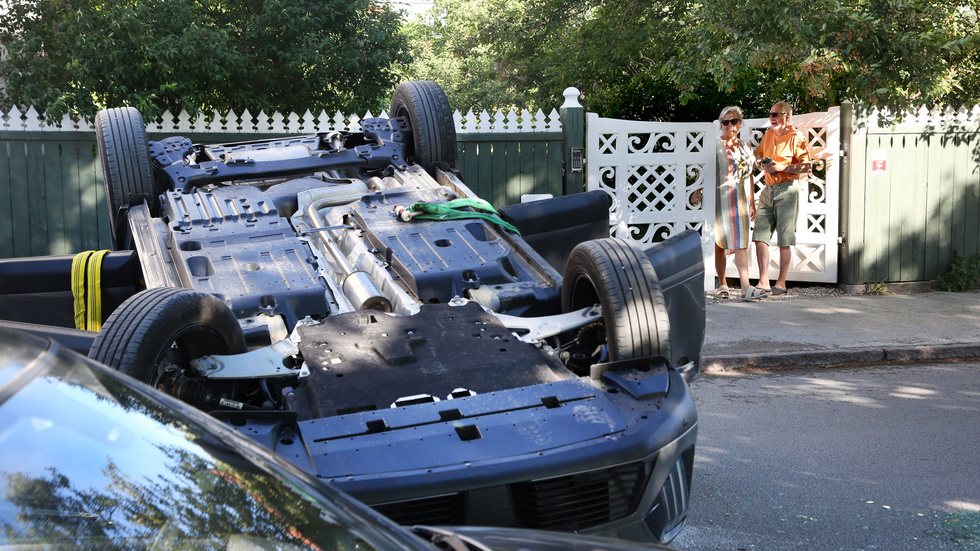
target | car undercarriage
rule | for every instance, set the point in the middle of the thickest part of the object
(345, 300)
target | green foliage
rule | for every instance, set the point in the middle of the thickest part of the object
(821, 52)
(877, 287)
(450, 46)
(611, 50)
(669, 60)
(78, 56)
(500, 53)
(684, 60)
(963, 274)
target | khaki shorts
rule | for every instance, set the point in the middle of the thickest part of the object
(777, 210)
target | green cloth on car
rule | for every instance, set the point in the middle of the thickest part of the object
(451, 210)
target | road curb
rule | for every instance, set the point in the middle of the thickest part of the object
(838, 357)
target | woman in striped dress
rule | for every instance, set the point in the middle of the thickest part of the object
(735, 203)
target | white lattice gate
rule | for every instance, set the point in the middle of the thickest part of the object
(651, 169)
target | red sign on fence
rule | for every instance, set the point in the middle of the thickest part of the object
(879, 162)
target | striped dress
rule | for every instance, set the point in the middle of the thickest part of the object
(733, 196)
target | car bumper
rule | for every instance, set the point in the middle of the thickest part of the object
(578, 455)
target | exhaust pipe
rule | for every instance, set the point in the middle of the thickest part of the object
(358, 286)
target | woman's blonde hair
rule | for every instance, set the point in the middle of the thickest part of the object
(731, 109)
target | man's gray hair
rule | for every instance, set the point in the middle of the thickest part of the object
(784, 107)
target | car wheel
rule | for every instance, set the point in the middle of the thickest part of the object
(158, 329)
(615, 274)
(126, 171)
(433, 130)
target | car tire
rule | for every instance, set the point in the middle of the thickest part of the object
(615, 274)
(431, 118)
(166, 326)
(126, 171)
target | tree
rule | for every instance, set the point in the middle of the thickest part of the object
(448, 46)
(499, 53)
(685, 60)
(78, 56)
(891, 53)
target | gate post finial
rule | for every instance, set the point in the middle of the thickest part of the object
(571, 97)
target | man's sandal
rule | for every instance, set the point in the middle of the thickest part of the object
(722, 292)
(755, 293)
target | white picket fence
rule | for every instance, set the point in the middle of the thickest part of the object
(29, 120)
(925, 116)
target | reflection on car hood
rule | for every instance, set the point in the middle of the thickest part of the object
(90, 459)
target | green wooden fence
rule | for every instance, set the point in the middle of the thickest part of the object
(910, 197)
(52, 200)
(502, 167)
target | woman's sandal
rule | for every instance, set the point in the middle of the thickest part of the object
(722, 292)
(755, 293)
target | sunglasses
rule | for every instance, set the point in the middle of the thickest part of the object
(731, 122)
(775, 114)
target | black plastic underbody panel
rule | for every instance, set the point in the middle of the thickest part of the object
(566, 455)
(485, 429)
(362, 361)
(438, 260)
(233, 242)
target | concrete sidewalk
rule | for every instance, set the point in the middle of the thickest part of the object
(798, 330)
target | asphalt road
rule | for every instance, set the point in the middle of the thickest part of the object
(837, 459)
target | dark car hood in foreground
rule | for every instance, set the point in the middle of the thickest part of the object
(92, 459)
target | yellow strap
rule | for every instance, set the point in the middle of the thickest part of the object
(78, 265)
(86, 289)
(94, 292)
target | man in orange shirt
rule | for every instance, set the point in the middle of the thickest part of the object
(779, 202)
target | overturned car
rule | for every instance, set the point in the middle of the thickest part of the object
(346, 301)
